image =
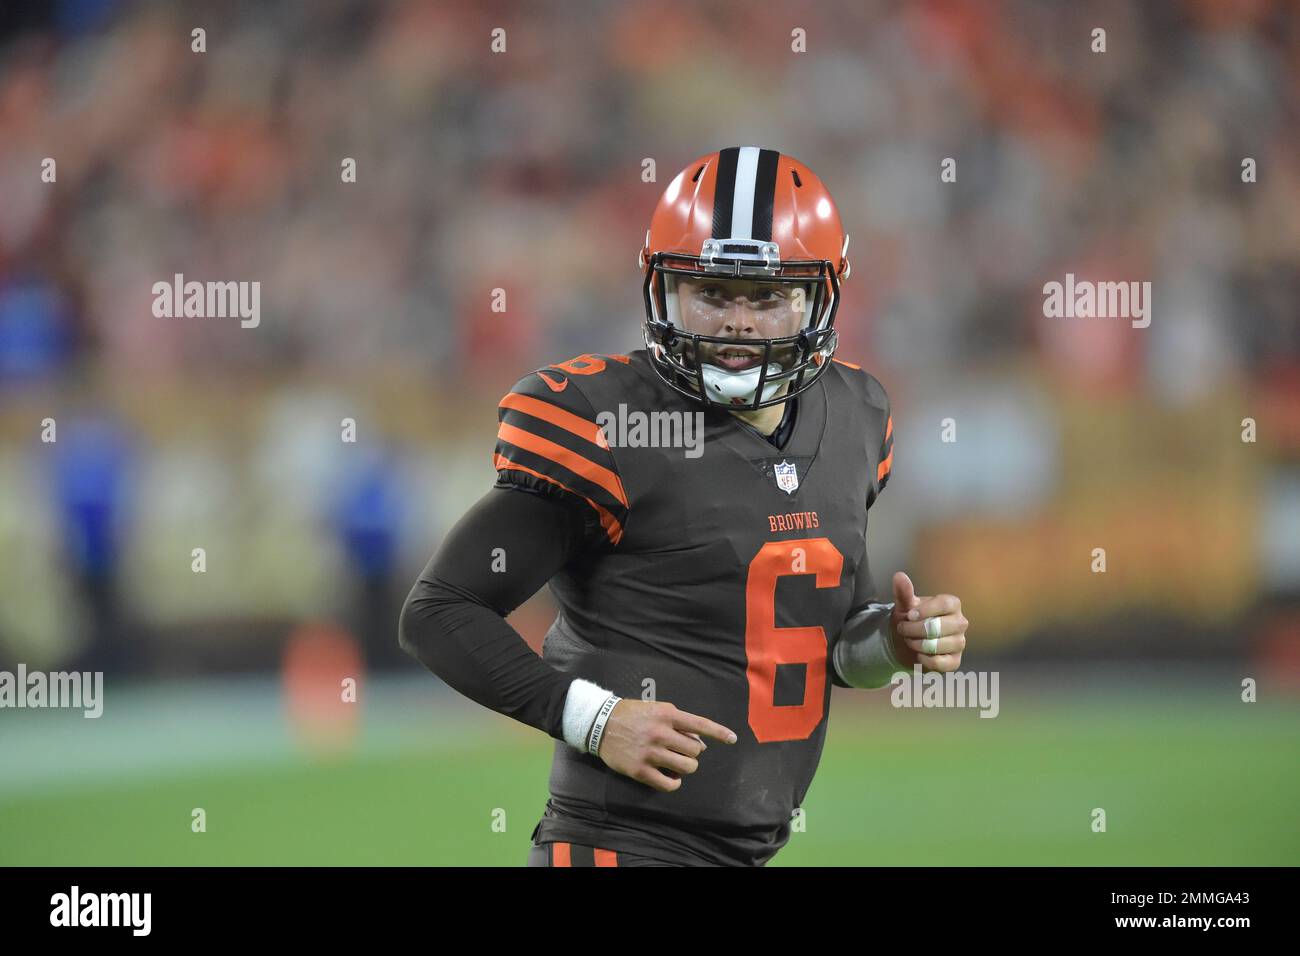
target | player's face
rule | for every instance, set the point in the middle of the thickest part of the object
(741, 309)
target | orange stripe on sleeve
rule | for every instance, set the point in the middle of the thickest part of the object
(571, 460)
(605, 857)
(885, 466)
(556, 416)
(560, 854)
(889, 427)
(607, 521)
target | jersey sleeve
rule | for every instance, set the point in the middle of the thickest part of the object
(884, 462)
(548, 442)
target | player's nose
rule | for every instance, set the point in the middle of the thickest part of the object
(740, 321)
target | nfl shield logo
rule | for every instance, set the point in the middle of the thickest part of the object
(786, 477)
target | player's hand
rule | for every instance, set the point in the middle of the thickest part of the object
(910, 638)
(655, 743)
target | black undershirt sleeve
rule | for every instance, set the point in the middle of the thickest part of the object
(497, 556)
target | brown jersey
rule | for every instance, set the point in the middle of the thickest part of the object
(719, 571)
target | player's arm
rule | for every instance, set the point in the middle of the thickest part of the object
(558, 493)
(496, 557)
(868, 651)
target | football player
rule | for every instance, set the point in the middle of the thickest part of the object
(710, 591)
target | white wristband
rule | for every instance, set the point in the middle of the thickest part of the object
(598, 728)
(581, 708)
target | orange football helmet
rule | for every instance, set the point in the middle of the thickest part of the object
(744, 213)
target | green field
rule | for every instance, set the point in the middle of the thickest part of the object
(1186, 783)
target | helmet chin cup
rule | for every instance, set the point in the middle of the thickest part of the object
(728, 387)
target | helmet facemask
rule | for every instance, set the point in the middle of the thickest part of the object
(792, 311)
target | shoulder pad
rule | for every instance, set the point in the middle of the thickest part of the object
(547, 438)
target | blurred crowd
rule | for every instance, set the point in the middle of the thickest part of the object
(522, 170)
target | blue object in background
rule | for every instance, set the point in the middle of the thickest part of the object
(35, 334)
(92, 458)
(81, 16)
(368, 515)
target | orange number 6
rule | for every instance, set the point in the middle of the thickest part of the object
(767, 645)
